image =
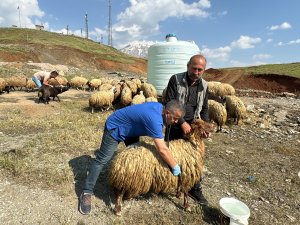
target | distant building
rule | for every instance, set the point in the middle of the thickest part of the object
(39, 27)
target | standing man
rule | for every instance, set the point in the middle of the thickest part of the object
(127, 125)
(191, 90)
(41, 77)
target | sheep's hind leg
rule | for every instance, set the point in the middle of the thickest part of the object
(119, 197)
(186, 202)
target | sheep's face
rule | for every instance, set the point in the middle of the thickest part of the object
(199, 127)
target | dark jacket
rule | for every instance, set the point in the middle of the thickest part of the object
(178, 88)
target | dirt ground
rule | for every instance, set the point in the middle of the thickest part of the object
(257, 161)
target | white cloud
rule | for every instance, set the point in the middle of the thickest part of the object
(293, 42)
(245, 42)
(269, 40)
(236, 63)
(221, 54)
(142, 17)
(283, 26)
(28, 9)
(261, 56)
(257, 63)
(280, 43)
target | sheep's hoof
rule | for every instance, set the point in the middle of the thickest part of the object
(117, 212)
(187, 208)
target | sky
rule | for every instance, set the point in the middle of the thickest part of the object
(229, 33)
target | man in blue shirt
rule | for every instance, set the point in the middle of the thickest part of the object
(127, 125)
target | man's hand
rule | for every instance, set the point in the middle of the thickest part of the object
(186, 128)
(176, 170)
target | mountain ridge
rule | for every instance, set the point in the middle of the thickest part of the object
(137, 48)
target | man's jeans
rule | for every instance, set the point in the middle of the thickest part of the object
(103, 155)
(37, 82)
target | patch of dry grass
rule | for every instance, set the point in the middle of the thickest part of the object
(49, 143)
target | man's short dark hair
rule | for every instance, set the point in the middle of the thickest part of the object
(54, 73)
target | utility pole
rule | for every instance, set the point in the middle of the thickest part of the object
(86, 27)
(109, 24)
(67, 29)
(19, 16)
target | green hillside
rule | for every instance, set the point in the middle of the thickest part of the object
(23, 38)
(30, 45)
(288, 69)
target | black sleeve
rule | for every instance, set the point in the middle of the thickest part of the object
(204, 110)
(171, 89)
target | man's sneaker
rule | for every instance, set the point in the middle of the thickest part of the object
(85, 203)
(197, 195)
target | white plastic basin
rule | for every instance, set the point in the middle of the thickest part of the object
(237, 211)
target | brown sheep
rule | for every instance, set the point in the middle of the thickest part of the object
(136, 171)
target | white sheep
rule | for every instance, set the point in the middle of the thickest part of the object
(126, 95)
(30, 85)
(18, 81)
(114, 82)
(102, 99)
(3, 86)
(138, 83)
(94, 84)
(118, 90)
(58, 81)
(149, 90)
(235, 108)
(133, 86)
(151, 99)
(78, 82)
(213, 86)
(225, 89)
(138, 99)
(217, 91)
(105, 87)
(136, 171)
(217, 113)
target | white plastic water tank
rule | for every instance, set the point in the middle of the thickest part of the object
(168, 58)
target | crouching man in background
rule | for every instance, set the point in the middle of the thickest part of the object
(41, 77)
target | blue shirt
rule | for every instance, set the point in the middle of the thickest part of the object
(137, 120)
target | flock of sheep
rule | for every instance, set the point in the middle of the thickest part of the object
(105, 92)
(223, 104)
(139, 170)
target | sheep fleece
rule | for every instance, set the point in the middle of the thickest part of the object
(140, 170)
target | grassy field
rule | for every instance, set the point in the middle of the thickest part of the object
(40, 153)
(289, 69)
(19, 39)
